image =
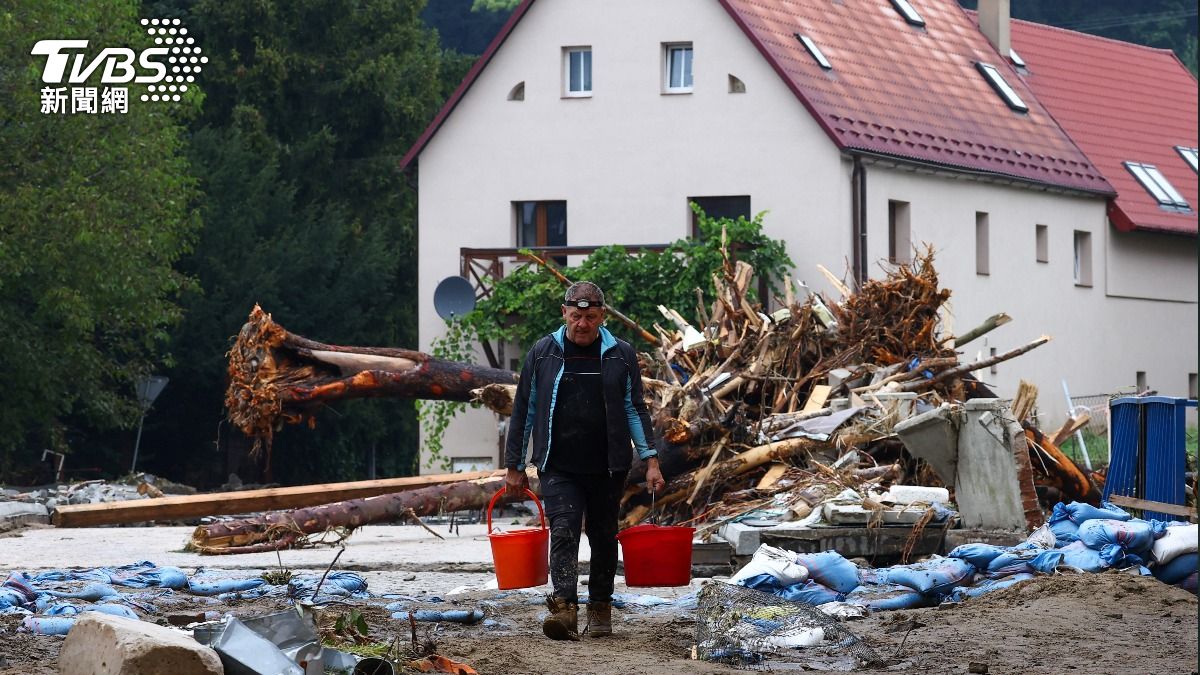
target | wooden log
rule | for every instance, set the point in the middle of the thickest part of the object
(992, 323)
(287, 529)
(245, 501)
(1067, 476)
(1073, 424)
(277, 377)
(629, 323)
(974, 365)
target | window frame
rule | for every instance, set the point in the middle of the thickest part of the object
(899, 232)
(983, 257)
(1188, 155)
(1155, 183)
(1042, 242)
(541, 223)
(1001, 86)
(1082, 258)
(586, 75)
(688, 69)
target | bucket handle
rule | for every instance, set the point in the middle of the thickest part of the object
(500, 492)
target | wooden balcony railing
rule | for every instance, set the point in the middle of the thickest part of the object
(483, 267)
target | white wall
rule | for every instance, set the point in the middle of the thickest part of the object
(1100, 340)
(627, 158)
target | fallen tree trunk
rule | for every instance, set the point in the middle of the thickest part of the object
(245, 501)
(1060, 470)
(290, 529)
(277, 377)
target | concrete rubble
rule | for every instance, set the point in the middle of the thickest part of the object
(100, 644)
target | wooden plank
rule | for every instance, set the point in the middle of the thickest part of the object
(1147, 505)
(771, 477)
(1069, 427)
(816, 400)
(246, 501)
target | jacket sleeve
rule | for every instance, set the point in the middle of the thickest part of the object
(520, 424)
(641, 431)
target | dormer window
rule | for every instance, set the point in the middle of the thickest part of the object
(1002, 87)
(577, 72)
(1157, 185)
(677, 68)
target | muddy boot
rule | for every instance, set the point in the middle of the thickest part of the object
(599, 617)
(563, 622)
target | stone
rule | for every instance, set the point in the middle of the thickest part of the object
(100, 644)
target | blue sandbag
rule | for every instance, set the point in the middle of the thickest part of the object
(1178, 569)
(767, 583)
(810, 593)
(337, 583)
(48, 625)
(887, 597)
(831, 570)
(937, 576)
(987, 586)
(1065, 532)
(1079, 512)
(979, 555)
(223, 586)
(1190, 583)
(1079, 556)
(159, 577)
(451, 615)
(91, 593)
(1135, 536)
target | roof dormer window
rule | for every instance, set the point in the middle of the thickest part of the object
(814, 50)
(1157, 184)
(1002, 87)
(906, 10)
(1188, 155)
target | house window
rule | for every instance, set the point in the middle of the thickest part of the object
(982, 257)
(1191, 385)
(542, 224)
(1188, 155)
(577, 71)
(733, 207)
(899, 234)
(1043, 244)
(677, 68)
(1083, 258)
(1157, 184)
(1140, 379)
(994, 369)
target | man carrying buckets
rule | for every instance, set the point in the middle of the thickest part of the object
(580, 398)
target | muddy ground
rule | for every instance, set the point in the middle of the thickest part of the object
(1096, 624)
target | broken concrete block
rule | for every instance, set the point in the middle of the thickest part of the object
(855, 514)
(933, 437)
(987, 488)
(14, 514)
(100, 644)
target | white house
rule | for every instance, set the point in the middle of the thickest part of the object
(864, 127)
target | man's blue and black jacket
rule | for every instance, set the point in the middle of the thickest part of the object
(628, 421)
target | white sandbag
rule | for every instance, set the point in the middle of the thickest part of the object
(776, 562)
(917, 494)
(1179, 539)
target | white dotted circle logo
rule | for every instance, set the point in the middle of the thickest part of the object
(185, 61)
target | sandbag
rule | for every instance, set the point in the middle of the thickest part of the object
(775, 562)
(1176, 541)
(810, 593)
(937, 576)
(987, 586)
(1014, 560)
(979, 555)
(887, 597)
(831, 570)
(1079, 512)
(1190, 583)
(1043, 537)
(1178, 569)
(1078, 556)
(1135, 536)
(1064, 531)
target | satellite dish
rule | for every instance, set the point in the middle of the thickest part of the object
(453, 298)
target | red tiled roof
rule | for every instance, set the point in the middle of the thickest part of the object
(1120, 102)
(912, 92)
(896, 90)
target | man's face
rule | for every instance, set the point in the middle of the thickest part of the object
(583, 325)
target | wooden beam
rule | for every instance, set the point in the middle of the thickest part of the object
(1147, 505)
(245, 501)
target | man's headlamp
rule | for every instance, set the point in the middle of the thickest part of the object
(583, 304)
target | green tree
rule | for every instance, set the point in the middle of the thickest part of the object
(94, 211)
(310, 106)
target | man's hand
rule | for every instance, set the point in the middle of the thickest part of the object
(516, 482)
(654, 477)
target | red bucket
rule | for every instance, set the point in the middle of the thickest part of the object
(521, 556)
(656, 555)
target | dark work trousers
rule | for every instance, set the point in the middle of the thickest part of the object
(571, 499)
